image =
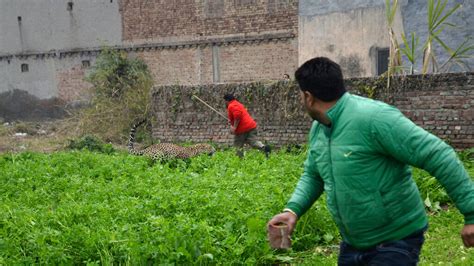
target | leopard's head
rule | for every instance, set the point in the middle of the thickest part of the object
(203, 148)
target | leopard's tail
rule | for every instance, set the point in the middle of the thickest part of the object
(131, 139)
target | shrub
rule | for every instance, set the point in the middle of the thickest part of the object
(121, 94)
(91, 143)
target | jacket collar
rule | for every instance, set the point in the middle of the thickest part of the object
(335, 111)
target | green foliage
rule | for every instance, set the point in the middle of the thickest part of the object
(443, 245)
(114, 73)
(70, 208)
(467, 156)
(122, 88)
(370, 91)
(395, 59)
(374, 89)
(90, 143)
(85, 207)
(409, 49)
(456, 56)
(436, 24)
(437, 21)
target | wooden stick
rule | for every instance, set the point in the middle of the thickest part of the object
(211, 107)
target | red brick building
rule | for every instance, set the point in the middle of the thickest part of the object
(201, 42)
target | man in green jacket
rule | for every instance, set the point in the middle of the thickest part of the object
(360, 152)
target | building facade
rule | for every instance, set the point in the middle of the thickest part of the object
(49, 45)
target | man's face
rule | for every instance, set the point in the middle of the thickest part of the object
(311, 106)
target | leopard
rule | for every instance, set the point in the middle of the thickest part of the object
(167, 151)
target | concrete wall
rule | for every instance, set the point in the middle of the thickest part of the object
(51, 37)
(48, 25)
(51, 83)
(45, 76)
(39, 80)
(348, 32)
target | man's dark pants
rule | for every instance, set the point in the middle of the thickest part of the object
(247, 138)
(401, 252)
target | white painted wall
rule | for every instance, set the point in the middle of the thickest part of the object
(346, 33)
(48, 25)
(39, 80)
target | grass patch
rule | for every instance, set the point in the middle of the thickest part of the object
(83, 207)
(443, 240)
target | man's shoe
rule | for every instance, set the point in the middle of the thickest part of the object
(267, 150)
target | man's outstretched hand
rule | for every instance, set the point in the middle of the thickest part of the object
(467, 235)
(287, 218)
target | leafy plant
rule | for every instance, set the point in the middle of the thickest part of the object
(90, 208)
(114, 73)
(121, 95)
(467, 156)
(395, 59)
(463, 51)
(437, 22)
(74, 207)
(409, 49)
(90, 143)
(437, 19)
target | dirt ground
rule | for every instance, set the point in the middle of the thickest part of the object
(45, 136)
(41, 136)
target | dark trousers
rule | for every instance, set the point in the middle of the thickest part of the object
(401, 252)
(248, 137)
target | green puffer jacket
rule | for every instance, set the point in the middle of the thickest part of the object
(362, 163)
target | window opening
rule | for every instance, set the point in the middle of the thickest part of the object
(24, 68)
(383, 55)
(86, 63)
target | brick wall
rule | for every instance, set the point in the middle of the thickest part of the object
(193, 42)
(442, 104)
(190, 19)
(176, 66)
(233, 62)
(72, 85)
(181, 118)
(258, 61)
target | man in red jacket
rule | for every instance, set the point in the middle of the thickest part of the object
(243, 126)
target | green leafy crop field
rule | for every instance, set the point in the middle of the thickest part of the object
(81, 207)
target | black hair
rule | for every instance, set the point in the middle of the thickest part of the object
(322, 78)
(229, 97)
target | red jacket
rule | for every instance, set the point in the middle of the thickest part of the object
(236, 110)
